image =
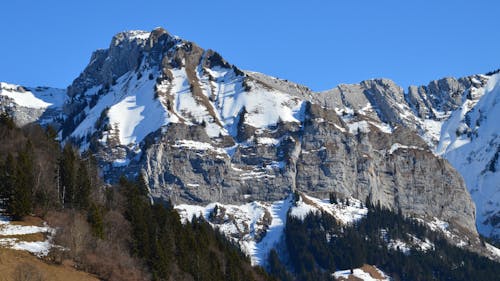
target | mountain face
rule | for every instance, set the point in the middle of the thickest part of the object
(454, 117)
(200, 130)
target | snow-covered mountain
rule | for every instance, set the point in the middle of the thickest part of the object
(456, 117)
(28, 105)
(200, 130)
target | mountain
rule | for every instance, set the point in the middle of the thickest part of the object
(28, 105)
(454, 117)
(200, 130)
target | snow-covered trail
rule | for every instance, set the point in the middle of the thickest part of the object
(279, 211)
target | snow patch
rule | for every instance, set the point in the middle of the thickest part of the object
(397, 146)
(196, 145)
(359, 127)
(342, 212)
(360, 274)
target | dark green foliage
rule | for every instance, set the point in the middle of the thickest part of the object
(490, 73)
(318, 245)
(277, 269)
(333, 198)
(67, 176)
(95, 219)
(7, 179)
(7, 121)
(75, 179)
(82, 188)
(21, 199)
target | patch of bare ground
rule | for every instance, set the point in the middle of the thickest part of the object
(19, 265)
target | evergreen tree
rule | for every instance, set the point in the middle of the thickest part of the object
(21, 200)
(95, 218)
(7, 179)
(67, 176)
(82, 187)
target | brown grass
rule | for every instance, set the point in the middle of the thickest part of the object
(12, 261)
(33, 237)
(374, 273)
(350, 278)
(29, 221)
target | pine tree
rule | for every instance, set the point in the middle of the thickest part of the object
(7, 179)
(83, 188)
(67, 176)
(21, 201)
(95, 218)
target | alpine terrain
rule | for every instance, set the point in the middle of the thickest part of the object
(264, 160)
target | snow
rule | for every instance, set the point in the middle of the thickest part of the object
(276, 165)
(131, 109)
(120, 162)
(432, 131)
(245, 221)
(493, 250)
(361, 126)
(196, 145)
(397, 146)
(383, 127)
(359, 273)
(274, 234)
(399, 245)
(415, 243)
(346, 214)
(473, 154)
(39, 98)
(38, 248)
(254, 175)
(11, 229)
(268, 141)
(138, 34)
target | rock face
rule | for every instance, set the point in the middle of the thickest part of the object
(199, 129)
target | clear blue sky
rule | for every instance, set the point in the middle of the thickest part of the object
(316, 43)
